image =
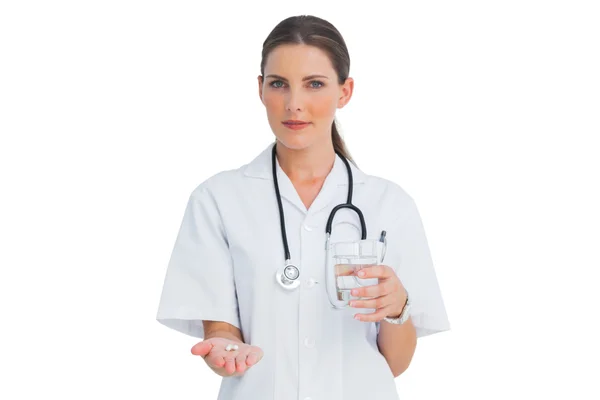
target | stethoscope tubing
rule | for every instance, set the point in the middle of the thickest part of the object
(281, 276)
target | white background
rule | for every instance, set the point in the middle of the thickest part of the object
(112, 112)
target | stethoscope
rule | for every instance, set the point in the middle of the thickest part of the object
(288, 276)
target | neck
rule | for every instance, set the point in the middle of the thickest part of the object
(306, 165)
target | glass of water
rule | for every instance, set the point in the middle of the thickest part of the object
(345, 259)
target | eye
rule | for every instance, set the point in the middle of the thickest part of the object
(320, 84)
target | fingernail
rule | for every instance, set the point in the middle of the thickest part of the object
(361, 273)
(354, 292)
(357, 317)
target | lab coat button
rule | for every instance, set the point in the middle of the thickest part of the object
(309, 342)
(307, 227)
(308, 398)
(311, 282)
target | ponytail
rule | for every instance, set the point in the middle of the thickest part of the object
(338, 143)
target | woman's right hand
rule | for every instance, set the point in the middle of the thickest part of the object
(227, 363)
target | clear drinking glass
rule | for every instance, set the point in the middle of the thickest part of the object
(345, 260)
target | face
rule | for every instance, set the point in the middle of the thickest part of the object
(301, 84)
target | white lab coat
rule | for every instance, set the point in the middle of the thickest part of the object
(223, 267)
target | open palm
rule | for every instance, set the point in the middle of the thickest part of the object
(227, 363)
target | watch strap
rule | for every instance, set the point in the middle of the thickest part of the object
(403, 315)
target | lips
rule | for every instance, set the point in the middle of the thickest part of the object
(296, 125)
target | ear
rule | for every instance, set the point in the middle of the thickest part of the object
(346, 92)
(260, 87)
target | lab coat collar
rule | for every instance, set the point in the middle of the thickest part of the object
(261, 168)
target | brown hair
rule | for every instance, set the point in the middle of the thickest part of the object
(313, 31)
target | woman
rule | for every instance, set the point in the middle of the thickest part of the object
(272, 343)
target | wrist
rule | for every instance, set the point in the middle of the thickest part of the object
(223, 334)
(402, 316)
(397, 313)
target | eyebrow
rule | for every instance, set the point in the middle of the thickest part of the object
(306, 78)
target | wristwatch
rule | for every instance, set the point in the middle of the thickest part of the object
(403, 315)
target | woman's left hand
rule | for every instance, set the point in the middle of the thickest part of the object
(387, 297)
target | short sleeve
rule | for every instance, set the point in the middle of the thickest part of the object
(409, 254)
(199, 282)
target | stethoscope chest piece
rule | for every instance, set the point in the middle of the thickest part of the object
(288, 276)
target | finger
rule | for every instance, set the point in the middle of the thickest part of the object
(376, 303)
(344, 270)
(254, 356)
(252, 359)
(381, 289)
(376, 271)
(215, 360)
(374, 317)
(241, 359)
(202, 349)
(230, 362)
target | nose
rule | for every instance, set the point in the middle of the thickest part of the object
(294, 100)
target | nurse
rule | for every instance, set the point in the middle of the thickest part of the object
(270, 342)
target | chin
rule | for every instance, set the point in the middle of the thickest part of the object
(294, 142)
(297, 140)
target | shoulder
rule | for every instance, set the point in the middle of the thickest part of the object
(218, 184)
(393, 198)
(391, 190)
(232, 182)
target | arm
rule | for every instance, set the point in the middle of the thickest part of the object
(408, 251)
(397, 343)
(199, 284)
(222, 329)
